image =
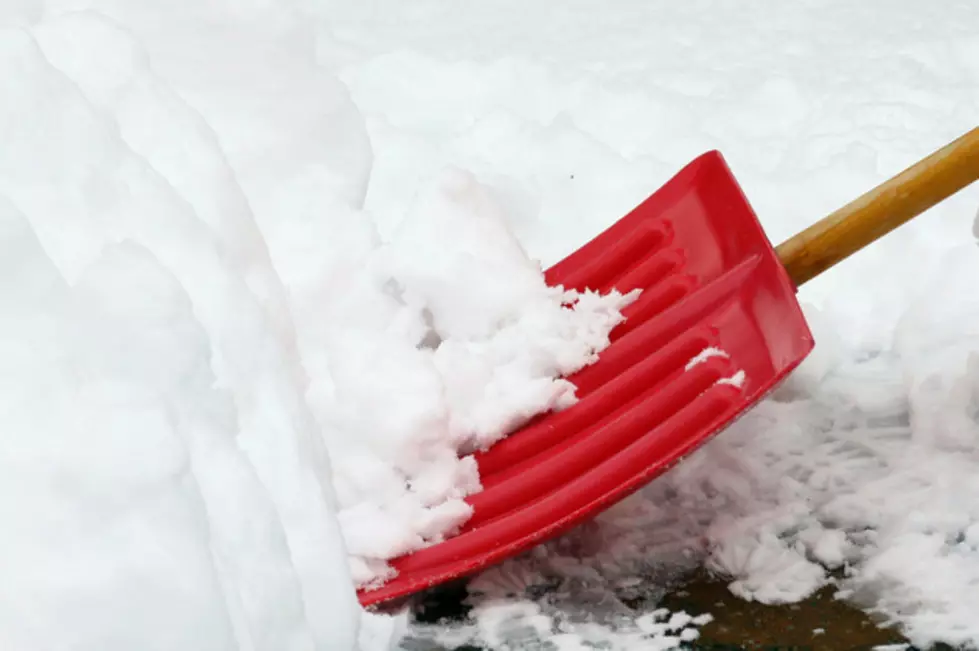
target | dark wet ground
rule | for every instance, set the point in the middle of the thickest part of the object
(820, 623)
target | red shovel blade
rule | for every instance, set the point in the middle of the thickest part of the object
(710, 280)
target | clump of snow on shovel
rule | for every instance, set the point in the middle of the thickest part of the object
(474, 345)
(501, 337)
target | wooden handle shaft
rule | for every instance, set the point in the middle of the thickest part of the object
(879, 211)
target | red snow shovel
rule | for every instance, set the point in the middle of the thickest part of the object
(716, 328)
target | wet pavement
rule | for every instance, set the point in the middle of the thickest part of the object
(819, 623)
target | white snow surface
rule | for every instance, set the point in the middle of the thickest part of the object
(227, 401)
(267, 267)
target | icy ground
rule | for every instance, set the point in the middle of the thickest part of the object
(266, 266)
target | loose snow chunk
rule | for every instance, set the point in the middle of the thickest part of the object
(830, 548)
(704, 355)
(703, 620)
(766, 569)
(502, 337)
(474, 343)
(680, 627)
(678, 621)
(689, 634)
(736, 380)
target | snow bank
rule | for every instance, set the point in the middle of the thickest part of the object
(117, 448)
(226, 402)
(181, 485)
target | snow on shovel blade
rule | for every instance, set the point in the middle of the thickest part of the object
(716, 328)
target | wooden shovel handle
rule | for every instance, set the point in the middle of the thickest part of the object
(881, 210)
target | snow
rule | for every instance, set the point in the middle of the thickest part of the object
(704, 355)
(163, 471)
(218, 428)
(473, 345)
(271, 270)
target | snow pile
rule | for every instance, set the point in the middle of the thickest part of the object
(160, 461)
(222, 391)
(117, 447)
(467, 343)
